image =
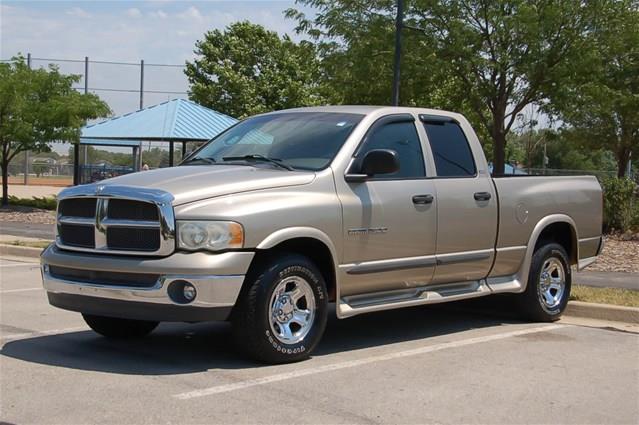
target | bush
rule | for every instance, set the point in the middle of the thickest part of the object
(44, 203)
(619, 200)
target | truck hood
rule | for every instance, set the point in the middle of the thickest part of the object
(192, 183)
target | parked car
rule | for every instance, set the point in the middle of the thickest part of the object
(372, 208)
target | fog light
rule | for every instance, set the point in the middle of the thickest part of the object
(181, 291)
(189, 292)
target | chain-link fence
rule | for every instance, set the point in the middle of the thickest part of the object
(125, 87)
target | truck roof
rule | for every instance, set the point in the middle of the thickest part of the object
(367, 109)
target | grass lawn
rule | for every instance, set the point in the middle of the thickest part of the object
(615, 296)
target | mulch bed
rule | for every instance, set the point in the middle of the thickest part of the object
(26, 215)
(620, 254)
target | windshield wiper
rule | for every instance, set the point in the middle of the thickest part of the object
(257, 157)
(208, 160)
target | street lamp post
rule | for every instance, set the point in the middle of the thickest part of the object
(399, 22)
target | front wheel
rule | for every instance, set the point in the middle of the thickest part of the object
(549, 282)
(112, 327)
(282, 311)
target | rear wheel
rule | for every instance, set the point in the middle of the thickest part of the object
(549, 282)
(112, 327)
(281, 314)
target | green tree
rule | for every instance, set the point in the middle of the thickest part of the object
(600, 102)
(496, 56)
(38, 107)
(247, 70)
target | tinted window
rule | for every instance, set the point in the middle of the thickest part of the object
(453, 157)
(304, 140)
(402, 138)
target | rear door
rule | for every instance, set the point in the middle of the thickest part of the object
(466, 205)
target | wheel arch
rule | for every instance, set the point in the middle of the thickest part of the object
(307, 241)
(559, 228)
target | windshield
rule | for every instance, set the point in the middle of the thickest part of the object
(302, 140)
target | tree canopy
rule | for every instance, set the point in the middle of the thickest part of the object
(246, 70)
(601, 103)
(488, 59)
(37, 107)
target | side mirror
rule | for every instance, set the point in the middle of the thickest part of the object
(375, 162)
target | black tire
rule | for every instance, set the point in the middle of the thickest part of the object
(116, 328)
(253, 332)
(531, 303)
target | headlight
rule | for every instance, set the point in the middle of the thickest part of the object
(211, 235)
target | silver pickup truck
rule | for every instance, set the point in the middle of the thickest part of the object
(371, 208)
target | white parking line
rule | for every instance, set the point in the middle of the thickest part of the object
(34, 334)
(10, 291)
(360, 362)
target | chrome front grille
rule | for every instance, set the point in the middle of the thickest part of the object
(116, 220)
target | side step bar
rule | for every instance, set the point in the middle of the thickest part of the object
(358, 304)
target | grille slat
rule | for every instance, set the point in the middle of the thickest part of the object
(135, 280)
(77, 207)
(125, 209)
(125, 238)
(76, 235)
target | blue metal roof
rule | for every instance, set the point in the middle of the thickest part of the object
(176, 119)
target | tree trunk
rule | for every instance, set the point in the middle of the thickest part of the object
(499, 152)
(622, 161)
(498, 133)
(5, 184)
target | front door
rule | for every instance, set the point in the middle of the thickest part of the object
(390, 220)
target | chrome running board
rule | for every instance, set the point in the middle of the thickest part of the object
(358, 304)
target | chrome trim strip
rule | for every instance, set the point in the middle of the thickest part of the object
(512, 248)
(390, 265)
(595, 238)
(463, 257)
(142, 224)
(78, 221)
(102, 206)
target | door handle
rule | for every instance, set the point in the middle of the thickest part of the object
(423, 199)
(482, 196)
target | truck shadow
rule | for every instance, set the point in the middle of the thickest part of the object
(188, 348)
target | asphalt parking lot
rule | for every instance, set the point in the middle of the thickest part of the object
(419, 365)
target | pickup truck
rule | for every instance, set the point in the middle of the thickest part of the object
(370, 208)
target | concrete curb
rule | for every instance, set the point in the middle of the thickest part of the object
(20, 251)
(608, 312)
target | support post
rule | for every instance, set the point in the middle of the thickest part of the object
(183, 150)
(76, 164)
(86, 91)
(399, 23)
(139, 163)
(171, 152)
(135, 159)
(142, 84)
(26, 153)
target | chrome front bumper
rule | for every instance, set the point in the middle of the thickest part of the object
(217, 279)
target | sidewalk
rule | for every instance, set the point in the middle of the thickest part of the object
(607, 279)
